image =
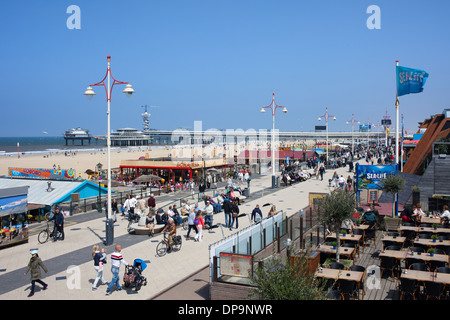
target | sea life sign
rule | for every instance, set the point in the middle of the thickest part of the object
(371, 177)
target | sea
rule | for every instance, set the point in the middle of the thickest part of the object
(46, 144)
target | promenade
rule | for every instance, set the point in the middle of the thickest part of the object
(70, 263)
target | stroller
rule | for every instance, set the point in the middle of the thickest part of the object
(134, 275)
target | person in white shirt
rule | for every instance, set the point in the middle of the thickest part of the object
(116, 261)
(445, 213)
(209, 214)
(341, 182)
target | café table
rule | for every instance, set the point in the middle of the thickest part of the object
(426, 276)
(431, 243)
(362, 227)
(398, 240)
(331, 250)
(431, 220)
(336, 274)
(397, 254)
(426, 257)
(433, 230)
(348, 237)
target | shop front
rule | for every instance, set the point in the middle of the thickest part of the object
(13, 216)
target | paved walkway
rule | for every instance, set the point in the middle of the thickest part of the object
(70, 264)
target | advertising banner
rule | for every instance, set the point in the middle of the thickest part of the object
(42, 173)
(371, 177)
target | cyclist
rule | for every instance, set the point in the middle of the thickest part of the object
(172, 229)
(59, 224)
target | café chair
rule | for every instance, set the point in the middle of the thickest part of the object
(394, 248)
(410, 261)
(407, 287)
(409, 224)
(439, 251)
(348, 289)
(433, 289)
(443, 270)
(425, 225)
(433, 265)
(349, 245)
(361, 242)
(393, 234)
(445, 248)
(388, 263)
(417, 249)
(442, 237)
(409, 235)
(419, 266)
(425, 235)
(360, 284)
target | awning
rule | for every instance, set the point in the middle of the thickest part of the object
(13, 200)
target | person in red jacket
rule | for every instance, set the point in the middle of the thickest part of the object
(200, 225)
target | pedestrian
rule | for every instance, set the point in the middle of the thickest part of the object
(142, 206)
(209, 211)
(127, 205)
(201, 190)
(35, 264)
(256, 214)
(99, 257)
(114, 209)
(116, 261)
(234, 215)
(227, 211)
(191, 223)
(59, 224)
(200, 225)
(321, 171)
(151, 202)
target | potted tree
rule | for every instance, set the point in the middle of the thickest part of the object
(435, 226)
(334, 208)
(393, 184)
(431, 251)
(434, 237)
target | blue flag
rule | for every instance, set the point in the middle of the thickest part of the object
(410, 80)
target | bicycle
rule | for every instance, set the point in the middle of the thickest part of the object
(163, 246)
(45, 234)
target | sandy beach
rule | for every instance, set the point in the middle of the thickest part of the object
(81, 161)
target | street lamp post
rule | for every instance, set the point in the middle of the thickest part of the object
(89, 93)
(273, 106)
(326, 116)
(353, 121)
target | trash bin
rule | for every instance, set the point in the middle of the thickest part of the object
(246, 192)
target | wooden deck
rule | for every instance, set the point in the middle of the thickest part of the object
(376, 288)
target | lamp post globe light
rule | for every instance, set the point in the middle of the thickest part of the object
(89, 93)
(273, 106)
(353, 121)
(326, 116)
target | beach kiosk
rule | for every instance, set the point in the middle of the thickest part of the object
(13, 216)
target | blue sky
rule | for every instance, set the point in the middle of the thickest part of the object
(218, 61)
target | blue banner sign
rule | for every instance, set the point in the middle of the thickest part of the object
(410, 80)
(371, 177)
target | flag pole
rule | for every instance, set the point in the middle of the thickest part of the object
(396, 133)
(396, 119)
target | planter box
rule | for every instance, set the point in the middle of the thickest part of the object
(392, 224)
(345, 262)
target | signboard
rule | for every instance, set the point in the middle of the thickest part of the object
(386, 122)
(321, 128)
(371, 177)
(236, 265)
(41, 173)
(314, 200)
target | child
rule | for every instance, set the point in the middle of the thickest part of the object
(99, 260)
